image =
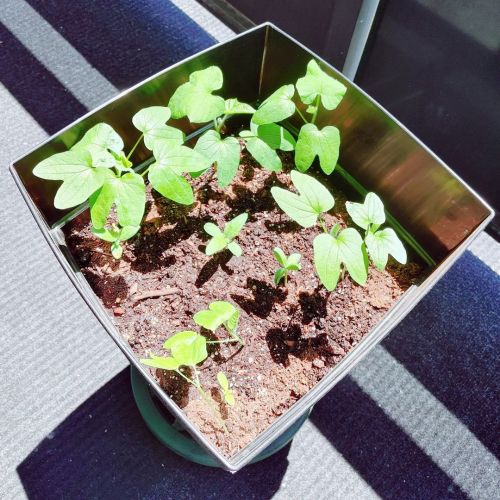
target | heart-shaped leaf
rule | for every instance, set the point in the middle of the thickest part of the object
(80, 178)
(194, 99)
(317, 82)
(224, 152)
(188, 348)
(277, 107)
(170, 184)
(382, 243)
(152, 123)
(305, 207)
(235, 107)
(218, 313)
(127, 193)
(370, 212)
(330, 252)
(99, 137)
(312, 142)
(262, 153)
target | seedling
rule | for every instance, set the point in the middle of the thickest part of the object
(307, 207)
(116, 236)
(227, 393)
(288, 264)
(220, 313)
(196, 100)
(188, 349)
(336, 251)
(225, 239)
(370, 215)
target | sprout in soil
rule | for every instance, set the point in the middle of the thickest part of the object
(187, 349)
(220, 313)
(225, 239)
(380, 243)
(227, 393)
(287, 265)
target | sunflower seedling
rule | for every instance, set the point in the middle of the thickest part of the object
(380, 243)
(116, 236)
(225, 239)
(220, 313)
(288, 264)
(227, 393)
(187, 349)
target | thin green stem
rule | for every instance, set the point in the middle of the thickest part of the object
(204, 395)
(221, 123)
(225, 341)
(316, 104)
(135, 146)
(322, 223)
(145, 172)
(286, 277)
(301, 115)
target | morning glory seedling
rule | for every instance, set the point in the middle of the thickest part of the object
(306, 207)
(288, 264)
(116, 236)
(96, 170)
(315, 88)
(196, 100)
(370, 215)
(227, 393)
(225, 239)
(336, 251)
(188, 349)
(220, 313)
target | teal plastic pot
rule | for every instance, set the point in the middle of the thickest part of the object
(183, 445)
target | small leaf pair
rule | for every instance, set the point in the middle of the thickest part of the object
(288, 264)
(187, 348)
(225, 239)
(370, 215)
(220, 313)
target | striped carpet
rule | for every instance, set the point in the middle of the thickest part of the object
(418, 418)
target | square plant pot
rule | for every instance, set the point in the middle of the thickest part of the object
(434, 211)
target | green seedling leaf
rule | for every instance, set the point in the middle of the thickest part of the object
(235, 107)
(312, 142)
(304, 208)
(227, 393)
(116, 250)
(370, 212)
(382, 243)
(80, 178)
(224, 239)
(100, 137)
(277, 107)
(262, 141)
(280, 256)
(331, 252)
(194, 99)
(161, 362)
(127, 193)
(317, 83)
(261, 151)
(152, 123)
(165, 174)
(115, 237)
(188, 348)
(288, 264)
(274, 135)
(224, 152)
(219, 313)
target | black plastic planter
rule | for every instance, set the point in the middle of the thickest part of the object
(435, 211)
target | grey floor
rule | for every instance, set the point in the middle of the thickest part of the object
(418, 418)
